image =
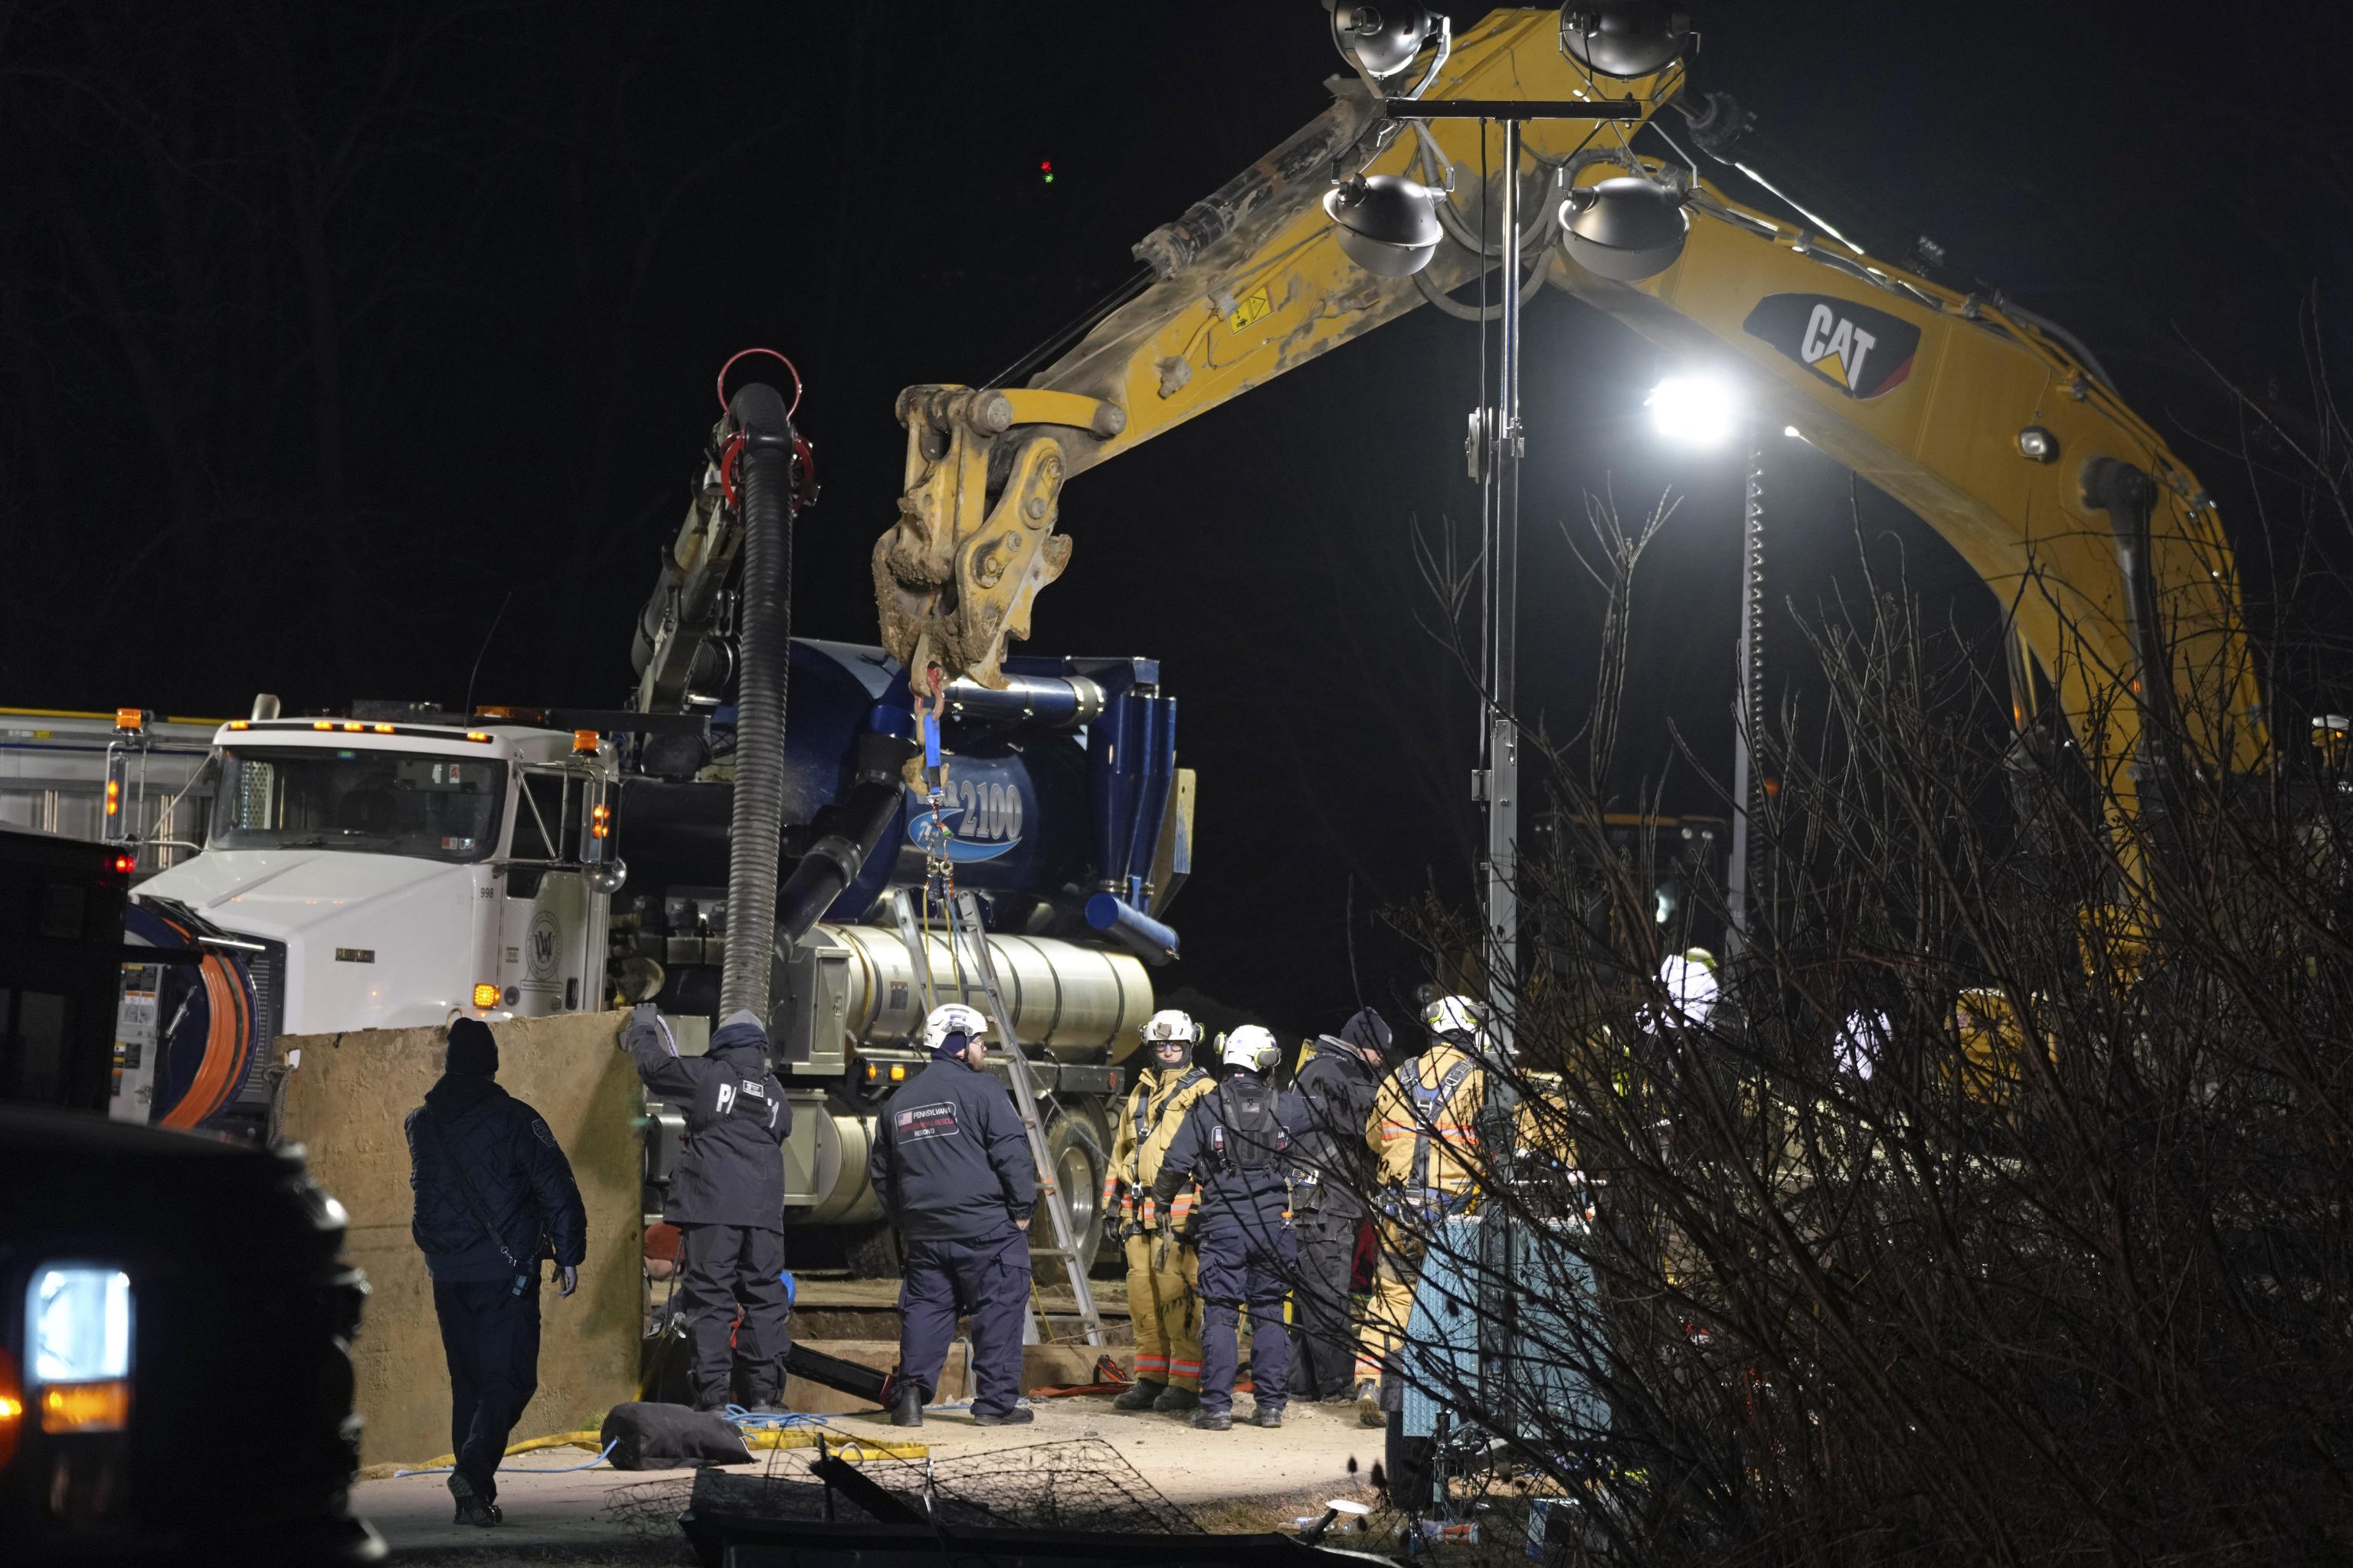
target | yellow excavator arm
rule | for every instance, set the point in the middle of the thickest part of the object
(2098, 540)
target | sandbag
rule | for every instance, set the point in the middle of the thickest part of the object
(671, 1437)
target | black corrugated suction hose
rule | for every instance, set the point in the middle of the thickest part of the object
(834, 862)
(763, 472)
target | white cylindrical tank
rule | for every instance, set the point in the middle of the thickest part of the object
(1069, 999)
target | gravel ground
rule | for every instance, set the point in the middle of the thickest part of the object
(1248, 1478)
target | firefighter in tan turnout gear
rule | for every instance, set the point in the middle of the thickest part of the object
(1423, 1133)
(1163, 1273)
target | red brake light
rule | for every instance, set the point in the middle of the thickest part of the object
(126, 864)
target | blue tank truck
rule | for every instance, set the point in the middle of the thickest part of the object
(399, 865)
(1061, 810)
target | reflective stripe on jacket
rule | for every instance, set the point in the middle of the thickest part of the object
(1396, 1127)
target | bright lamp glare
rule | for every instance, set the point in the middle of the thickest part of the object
(78, 1321)
(1694, 410)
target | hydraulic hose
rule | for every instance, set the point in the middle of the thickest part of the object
(833, 863)
(763, 472)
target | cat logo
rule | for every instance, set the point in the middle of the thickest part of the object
(1864, 353)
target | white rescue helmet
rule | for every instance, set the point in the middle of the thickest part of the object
(1251, 1046)
(1689, 979)
(1171, 1026)
(1457, 1019)
(953, 1018)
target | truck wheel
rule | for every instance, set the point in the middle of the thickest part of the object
(867, 1252)
(1079, 1166)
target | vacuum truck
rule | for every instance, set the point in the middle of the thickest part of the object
(399, 865)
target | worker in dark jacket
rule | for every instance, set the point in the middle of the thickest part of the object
(494, 1195)
(953, 1168)
(1332, 1179)
(1236, 1141)
(727, 1200)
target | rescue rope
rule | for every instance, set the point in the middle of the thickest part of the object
(787, 1429)
(449, 1462)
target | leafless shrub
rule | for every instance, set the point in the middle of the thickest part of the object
(1998, 1210)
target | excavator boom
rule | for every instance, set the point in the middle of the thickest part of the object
(2099, 542)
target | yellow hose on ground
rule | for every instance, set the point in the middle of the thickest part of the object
(854, 1450)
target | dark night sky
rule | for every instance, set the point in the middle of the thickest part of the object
(327, 329)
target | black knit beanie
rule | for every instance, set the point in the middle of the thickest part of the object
(473, 1048)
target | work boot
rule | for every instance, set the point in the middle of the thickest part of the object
(1176, 1397)
(472, 1507)
(767, 1404)
(1267, 1415)
(1369, 1404)
(1339, 1396)
(907, 1406)
(1213, 1420)
(1138, 1396)
(1020, 1415)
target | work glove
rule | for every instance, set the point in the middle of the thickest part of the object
(1111, 1224)
(645, 1016)
(567, 1279)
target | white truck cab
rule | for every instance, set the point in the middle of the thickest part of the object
(402, 874)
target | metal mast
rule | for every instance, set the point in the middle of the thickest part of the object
(1502, 781)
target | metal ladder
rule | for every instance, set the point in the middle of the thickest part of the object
(969, 942)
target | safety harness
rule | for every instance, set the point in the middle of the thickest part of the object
(1147, 1121)
(1430, 1102)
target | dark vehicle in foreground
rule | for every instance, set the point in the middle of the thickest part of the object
(176, 1325)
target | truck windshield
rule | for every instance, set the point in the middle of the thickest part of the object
(373, 802)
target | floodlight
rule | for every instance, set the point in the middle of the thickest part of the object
(1628, 229)
(1624, 38)
(1378, 40)
(1697, 410)
(1387, 224)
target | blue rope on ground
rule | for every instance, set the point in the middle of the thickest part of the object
(783, 1419)
(517, 1471)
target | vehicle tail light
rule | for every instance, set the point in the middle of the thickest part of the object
(12, 1408)
(486, 995)
(87, 1406)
